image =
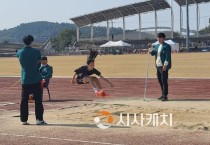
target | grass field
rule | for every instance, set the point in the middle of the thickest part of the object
(183, 65)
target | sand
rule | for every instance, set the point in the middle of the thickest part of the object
(191, 123)
(185, 114)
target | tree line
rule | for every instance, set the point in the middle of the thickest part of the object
(43, 30)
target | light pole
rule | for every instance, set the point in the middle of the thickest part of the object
(187, 27)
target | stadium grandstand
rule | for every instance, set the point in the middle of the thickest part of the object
(10, 49)
(139, 38)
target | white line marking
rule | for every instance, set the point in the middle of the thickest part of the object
(70, 140)
(6, 103)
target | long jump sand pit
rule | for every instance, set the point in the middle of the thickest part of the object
(73, 108)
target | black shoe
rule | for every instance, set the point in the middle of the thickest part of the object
(39, 122)
(160, 98)
(164, 99)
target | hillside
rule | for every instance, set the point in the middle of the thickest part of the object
(43, 30)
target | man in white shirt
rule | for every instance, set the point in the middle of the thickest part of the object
(162, 53)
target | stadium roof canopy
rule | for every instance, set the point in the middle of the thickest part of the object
(183, 2)
(127, 10)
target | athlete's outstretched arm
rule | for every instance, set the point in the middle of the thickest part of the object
(103, 78)
(73, 79)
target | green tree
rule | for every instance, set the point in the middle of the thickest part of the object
(176, 34)
(205, 30)
(64, 39)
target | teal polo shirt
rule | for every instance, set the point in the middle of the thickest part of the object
(46, 71)
(165, 54)
(29, 59)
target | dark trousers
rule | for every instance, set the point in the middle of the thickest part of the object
(47, 81)
(163, 80)
(36, 90)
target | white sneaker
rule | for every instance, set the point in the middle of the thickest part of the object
(25, 123)
(40, 122)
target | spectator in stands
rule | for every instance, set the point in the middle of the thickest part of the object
(30, 61)
(162, 53)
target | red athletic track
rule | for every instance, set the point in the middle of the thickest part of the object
(62, 91)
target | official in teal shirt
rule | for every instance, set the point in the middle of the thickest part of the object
(46, 70)
(30, 61)
(162, 53)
